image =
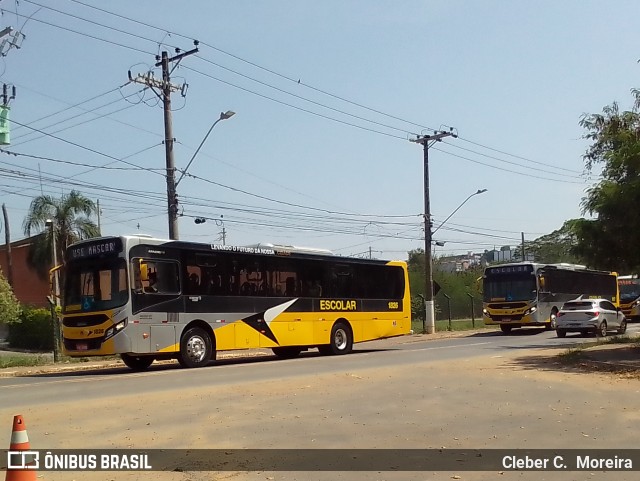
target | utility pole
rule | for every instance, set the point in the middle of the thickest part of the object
(7, 237)
(429, 311)
(224, 236)
(523, 258)
(166, 88)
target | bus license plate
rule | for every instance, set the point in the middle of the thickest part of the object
(82, 346)
(506, 319)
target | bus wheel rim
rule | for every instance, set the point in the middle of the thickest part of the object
(196, 348)
(340, 339)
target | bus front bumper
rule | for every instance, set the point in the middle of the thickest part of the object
(96, 346)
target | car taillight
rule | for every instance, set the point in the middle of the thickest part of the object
(593, 313)
(560, 314)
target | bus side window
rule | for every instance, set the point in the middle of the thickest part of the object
(290, 289)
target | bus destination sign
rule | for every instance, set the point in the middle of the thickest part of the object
(95, 249)
(510, 269)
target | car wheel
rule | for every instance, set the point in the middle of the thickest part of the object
(196, 348)
(601, 331)
(623, 327)
(505, 328)
(552, 320)
(561, 333)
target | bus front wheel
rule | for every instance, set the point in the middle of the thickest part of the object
(287, 352)
(196, 348)
(341, 341)
(506, 328)
(137, 363)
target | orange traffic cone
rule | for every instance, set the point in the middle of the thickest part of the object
(20, 442)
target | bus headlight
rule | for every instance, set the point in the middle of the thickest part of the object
(530, 310)
(113, 330)
(485, 313)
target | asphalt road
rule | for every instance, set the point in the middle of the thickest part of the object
(475, 392)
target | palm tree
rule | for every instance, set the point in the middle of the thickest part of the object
(70, 215)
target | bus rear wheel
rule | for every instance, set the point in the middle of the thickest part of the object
(137, 363)
(341, 341)
(196, 348)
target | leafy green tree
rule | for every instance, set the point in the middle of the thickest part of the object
(611, 238)
(457, 285)
(558, 246)
(9, 306)
(71, 216)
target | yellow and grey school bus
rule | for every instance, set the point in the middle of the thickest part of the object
(530, 294)
(148, 299)
(630, 296)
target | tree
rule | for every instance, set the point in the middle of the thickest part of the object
(9, 306)
(71, 222)
(558, 246)
(610, 239)
(457, 285)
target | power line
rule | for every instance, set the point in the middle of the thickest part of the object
(294, 106)
(507, 170)
(298, 96)
(85, 34)
(97, 152)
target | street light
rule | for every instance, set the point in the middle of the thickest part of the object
(480, 191)
(223, 116)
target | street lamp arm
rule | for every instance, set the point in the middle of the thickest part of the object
(223, 116)
(480, 191)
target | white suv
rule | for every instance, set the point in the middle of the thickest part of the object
(590, 315)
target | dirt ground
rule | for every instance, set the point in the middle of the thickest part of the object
(284, 407)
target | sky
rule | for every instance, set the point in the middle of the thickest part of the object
(328, 97)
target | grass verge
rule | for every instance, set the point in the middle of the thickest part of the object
(578, 354)
(456, 325)
(21, 361)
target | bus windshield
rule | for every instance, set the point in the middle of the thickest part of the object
(629, 289)
(509, 288)
(95, 285)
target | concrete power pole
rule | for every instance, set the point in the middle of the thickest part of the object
(7, 236)
(166, 88)
(429, 311)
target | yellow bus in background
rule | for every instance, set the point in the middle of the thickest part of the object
(630, 296)
(531, 294)
(148, 299)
